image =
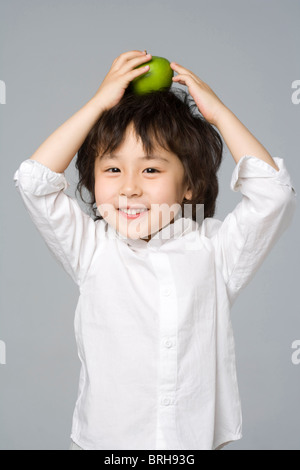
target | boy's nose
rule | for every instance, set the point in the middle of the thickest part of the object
(130, 189)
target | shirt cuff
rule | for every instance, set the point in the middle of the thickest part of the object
(38, 179)
(253, 167)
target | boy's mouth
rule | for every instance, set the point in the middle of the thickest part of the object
(133, 213)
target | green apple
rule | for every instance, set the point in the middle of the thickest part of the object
(158, 77)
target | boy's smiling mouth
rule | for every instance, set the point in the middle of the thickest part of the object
(131, 213)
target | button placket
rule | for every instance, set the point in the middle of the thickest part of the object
(168, 343)
(167, 373)
(167, 291)
(166, 401)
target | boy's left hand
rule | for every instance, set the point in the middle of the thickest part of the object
(206, 100)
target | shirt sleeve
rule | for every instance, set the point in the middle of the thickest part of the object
(247, 235)
(69, 233)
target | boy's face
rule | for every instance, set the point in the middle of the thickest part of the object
(130, 180)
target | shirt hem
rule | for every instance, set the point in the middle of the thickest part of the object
(228, 440)
(219, 446)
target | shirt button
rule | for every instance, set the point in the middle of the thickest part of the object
(167, 291)
(166, 401)
(168, 343)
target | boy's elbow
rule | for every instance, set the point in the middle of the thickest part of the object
(289, 196)
(288, 201)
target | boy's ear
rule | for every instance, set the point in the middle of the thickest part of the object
(188, 195)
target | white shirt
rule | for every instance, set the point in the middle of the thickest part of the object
(152, 323)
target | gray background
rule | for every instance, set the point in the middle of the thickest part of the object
(54, 55)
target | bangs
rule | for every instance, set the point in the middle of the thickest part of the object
(155, 120)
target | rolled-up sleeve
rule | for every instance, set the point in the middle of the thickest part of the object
(69, 233)
(247, 235)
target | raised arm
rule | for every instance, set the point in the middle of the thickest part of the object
(246, 236)
(58, 150)
(237, 137)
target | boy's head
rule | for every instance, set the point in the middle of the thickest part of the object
(163, 124)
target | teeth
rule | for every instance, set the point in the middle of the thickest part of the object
(133, 211)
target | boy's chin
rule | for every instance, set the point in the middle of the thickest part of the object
(134, 235)
(137, 231)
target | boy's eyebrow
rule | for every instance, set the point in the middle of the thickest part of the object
(145, 157)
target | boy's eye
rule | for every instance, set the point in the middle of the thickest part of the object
(111, 169)
(154, 169)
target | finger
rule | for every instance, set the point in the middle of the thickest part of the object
(133, 63)
(125, 56)
(177, 79)
(137, 72)
(181, 82)
(184, 79)
(179, 69)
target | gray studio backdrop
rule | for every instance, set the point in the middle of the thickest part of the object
(54, 55)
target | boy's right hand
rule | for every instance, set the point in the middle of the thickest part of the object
(121, 73)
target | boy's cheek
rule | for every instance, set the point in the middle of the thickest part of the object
(106, 210)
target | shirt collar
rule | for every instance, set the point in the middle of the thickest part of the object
(180, 227)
